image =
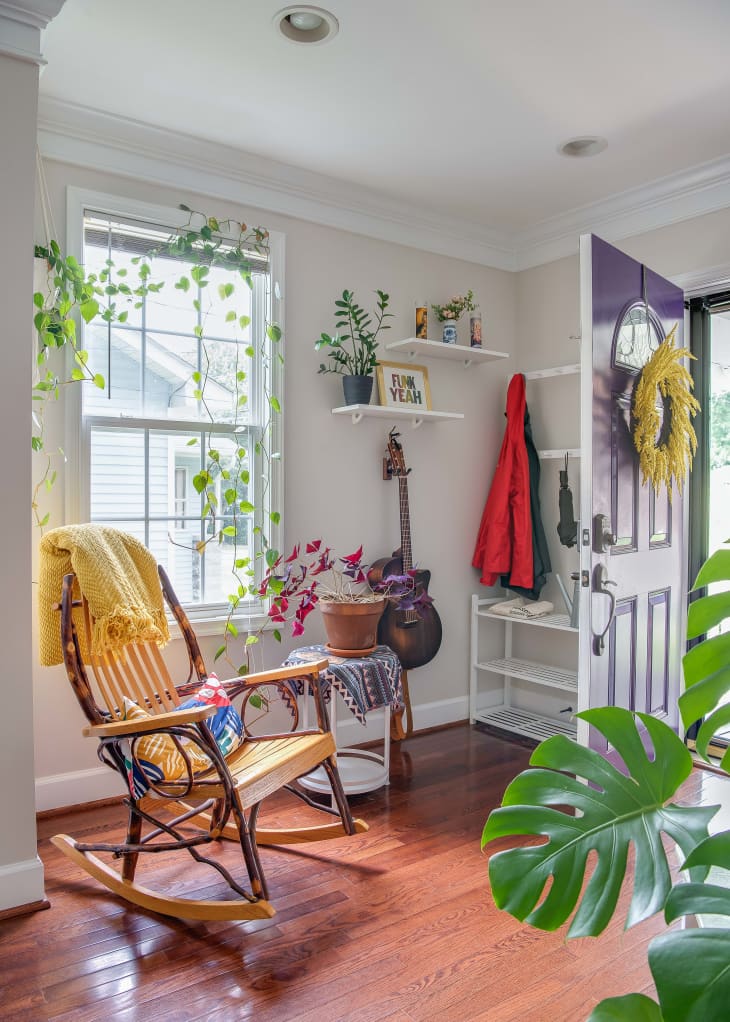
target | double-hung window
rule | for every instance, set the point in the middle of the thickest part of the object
(148, 435)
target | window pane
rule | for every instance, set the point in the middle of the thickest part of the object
(122, 272)
(170, 361)
(171, 308)
(116, 355)
(218, 322)
(174, 462)
(178, 555)
(218, 561)
(226, 393)
(117, 485)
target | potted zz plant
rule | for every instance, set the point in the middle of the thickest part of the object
(351, 607)
(352, 347)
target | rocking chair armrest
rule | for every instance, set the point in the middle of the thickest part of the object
(234, 686)
(158, 722)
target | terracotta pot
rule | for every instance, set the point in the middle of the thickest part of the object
(352, 628)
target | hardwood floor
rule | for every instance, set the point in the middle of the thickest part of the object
(393, 924)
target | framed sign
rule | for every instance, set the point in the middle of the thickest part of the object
(402, 385)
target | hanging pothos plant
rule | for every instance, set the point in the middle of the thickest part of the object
(71, 294)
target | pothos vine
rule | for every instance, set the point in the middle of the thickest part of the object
(71, 294)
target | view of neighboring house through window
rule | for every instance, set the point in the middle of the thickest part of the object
(148, 431)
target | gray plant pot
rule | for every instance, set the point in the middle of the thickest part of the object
(357, 389)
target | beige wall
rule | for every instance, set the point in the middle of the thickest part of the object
(333, 471)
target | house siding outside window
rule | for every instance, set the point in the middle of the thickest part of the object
(147, 434)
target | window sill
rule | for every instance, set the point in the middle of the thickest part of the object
(206, 625)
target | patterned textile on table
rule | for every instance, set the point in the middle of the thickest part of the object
(365, 683)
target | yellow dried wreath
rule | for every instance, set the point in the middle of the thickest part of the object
(665, 449)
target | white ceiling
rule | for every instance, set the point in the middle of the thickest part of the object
(454, 107)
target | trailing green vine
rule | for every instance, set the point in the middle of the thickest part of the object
(69, 294)
(72, 295)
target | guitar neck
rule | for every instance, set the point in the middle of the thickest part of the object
(405, 525)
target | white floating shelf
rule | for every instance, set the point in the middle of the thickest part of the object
(359, 412)
(543, 374)
(537, 674)
(522, 722)
(559, 621)
(414, 347)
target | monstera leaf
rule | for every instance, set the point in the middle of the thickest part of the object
(612, 811)
(707, 665)
(690, 970)
(696, 993)
(700, 993)
(707, 898)
(631, 1008)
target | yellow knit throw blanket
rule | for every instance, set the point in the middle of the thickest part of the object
(118, 576)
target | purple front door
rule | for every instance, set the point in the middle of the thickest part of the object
(636, 539)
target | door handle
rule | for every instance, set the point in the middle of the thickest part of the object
(600, 584)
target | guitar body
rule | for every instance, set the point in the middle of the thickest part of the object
(415, 642)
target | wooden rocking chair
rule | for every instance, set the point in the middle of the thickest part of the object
(202, 806)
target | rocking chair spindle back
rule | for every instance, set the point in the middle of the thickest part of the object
(219, 800)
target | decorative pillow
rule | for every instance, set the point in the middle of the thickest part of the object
(156, 757)
(226, 724)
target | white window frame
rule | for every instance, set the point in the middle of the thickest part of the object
(77, 429)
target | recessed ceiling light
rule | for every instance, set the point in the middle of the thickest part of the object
(305, 24)
(584, 145)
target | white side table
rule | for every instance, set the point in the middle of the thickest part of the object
(365, 684)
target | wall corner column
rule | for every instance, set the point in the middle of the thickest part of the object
(21, 24)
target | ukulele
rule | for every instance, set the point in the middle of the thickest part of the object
(414, 635)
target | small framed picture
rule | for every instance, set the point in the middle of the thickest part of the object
(402, 385)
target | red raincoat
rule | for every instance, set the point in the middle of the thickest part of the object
(504, 542)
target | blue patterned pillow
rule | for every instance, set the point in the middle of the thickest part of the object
(156, 756)
(226, 723)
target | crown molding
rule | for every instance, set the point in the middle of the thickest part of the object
(118, 145)
(705, 281)
(21, 24)
(668, 200)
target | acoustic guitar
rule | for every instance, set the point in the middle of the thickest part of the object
(415, 636)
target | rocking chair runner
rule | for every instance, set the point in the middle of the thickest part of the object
(218, 799)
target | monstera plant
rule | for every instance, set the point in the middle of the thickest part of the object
(578, 803)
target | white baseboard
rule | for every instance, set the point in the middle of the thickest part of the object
(436, 714)
(21, 883)
(78, 787)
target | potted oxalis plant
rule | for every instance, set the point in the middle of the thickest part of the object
(581, 806)
(352, 348)
(351, 606)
